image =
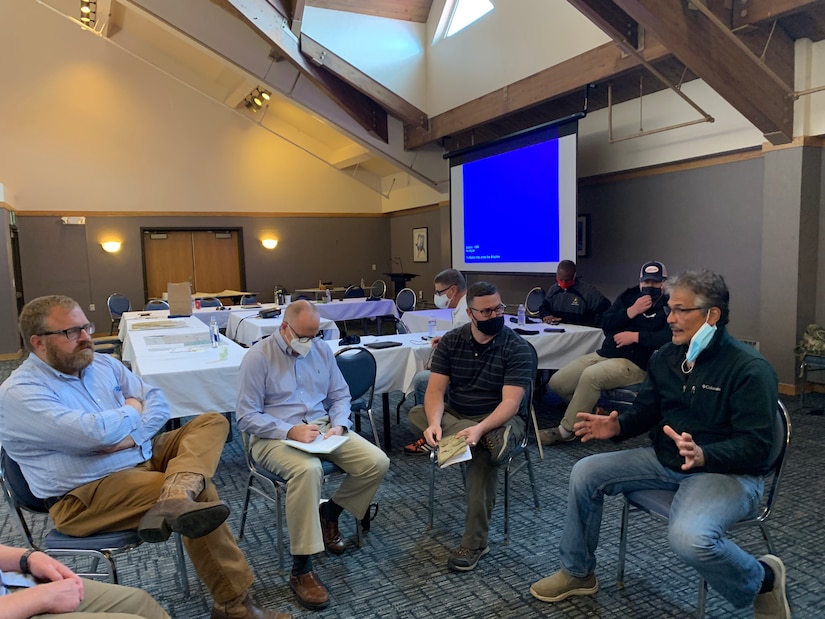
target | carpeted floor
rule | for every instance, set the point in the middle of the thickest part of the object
(400, 571)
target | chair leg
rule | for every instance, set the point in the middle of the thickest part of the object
(532, 477)
(374, 429)
(433, 464)
(622, 544)
(700, 599)
(245, 506)
(184, 578)
(279, 528)
(507, 504)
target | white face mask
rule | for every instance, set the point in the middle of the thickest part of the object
(302, 348)
(441, 301)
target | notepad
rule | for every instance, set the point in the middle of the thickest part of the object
(452, 450)
(320, 445)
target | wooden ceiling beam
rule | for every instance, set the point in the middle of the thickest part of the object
(747, 12)
(273, 26)
(724, 63)
(407, 10)
(596, 65)
(395, 105)
(610, 18)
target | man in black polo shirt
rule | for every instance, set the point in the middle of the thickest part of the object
(487, 369)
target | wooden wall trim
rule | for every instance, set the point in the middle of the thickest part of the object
(676, 166)
(419, 209)
(816, 141)
(188, 214)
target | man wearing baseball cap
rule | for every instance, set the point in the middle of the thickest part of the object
(634, 327)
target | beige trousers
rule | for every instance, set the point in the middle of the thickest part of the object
(112, 602)
(118, 501)
(364, 463)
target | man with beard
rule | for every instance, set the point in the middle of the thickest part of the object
(487, 369)
(82, 428)
(634, 327)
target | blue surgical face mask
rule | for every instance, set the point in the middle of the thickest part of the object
(700, 340)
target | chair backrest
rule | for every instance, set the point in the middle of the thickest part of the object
(17, 486)
(156, 304)
(247, 299)
(401, 327)
(378, 289)
(211, 302)
(534, 300)
(776, 458)
(354, 292)
(117, 304)
(358, 366)
(405, 300)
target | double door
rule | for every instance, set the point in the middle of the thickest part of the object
(210, 260)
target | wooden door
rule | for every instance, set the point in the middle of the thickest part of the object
(167, 258)
(217, 261)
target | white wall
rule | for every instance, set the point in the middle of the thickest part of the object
(87, 127)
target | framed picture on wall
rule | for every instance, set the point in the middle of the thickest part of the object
(420, 245)
(583, 235)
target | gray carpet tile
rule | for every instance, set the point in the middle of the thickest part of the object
(400, 571)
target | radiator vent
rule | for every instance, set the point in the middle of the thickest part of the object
(754, 343)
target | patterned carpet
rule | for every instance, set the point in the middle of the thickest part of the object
(400, 571)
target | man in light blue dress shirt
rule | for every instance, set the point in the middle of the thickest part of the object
(291, 387)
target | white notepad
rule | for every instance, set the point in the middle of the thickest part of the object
(320, 445)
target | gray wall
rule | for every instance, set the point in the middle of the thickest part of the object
(9, 341)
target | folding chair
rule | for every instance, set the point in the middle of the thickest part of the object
(117, 304)
(359, 368)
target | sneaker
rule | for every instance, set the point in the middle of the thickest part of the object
(552, 436)
(562, 585)
(774, 603)
(465, 559)
(500, 443)
(418, 447)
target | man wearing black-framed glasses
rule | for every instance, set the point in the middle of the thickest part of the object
(488, 370)
(86, 434)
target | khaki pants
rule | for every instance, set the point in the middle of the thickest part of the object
(118, 501)
(580, 382)
(364, 463)
(481, 477)
(113, 602)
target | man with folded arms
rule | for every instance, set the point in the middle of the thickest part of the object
(291, 387)
(82, 428)
(488, 369)
(709, 403)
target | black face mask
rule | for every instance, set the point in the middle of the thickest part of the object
(655, 293)
(491, 326)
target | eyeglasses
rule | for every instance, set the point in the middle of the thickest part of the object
(304, 338)
(680, 311)
(72, 333)
(443, 290)
(489, 311)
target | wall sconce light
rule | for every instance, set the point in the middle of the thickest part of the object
(254, 101)
(269, 243)
(88, 12)
(111, 246)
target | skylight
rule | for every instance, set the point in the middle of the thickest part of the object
(466, 12)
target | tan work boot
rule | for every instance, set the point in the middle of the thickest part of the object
(243, 607)
(177, 510)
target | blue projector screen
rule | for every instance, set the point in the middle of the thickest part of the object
(513, 203)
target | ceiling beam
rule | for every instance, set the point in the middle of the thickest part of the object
(395, 105)
(710, 50)
(596, 65)
(273, 27)
(610, 19)
(406, 10)
(746, 12)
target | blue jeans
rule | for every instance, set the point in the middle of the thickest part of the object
(705, 506)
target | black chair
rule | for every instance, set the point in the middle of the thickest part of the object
(247, 299)
(211, 302)
(92, 548)
(378, 289)
(810, 363)
(509, 468)
(354, 292)
(117, 304)
(405, 301)
(273, 487)
(156, 304)
(359, 368)
(620, 398)
(657, 502)
(533, 301)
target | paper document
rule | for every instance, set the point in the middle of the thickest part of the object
(154, 324)
(452, 450)
(320, 445)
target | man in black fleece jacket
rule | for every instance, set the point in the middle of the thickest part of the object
(709, 403)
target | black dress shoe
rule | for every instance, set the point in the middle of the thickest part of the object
(332, 536)
(244, 608)
(309, 590)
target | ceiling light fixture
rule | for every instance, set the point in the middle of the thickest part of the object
(255, 100)
(88, 12)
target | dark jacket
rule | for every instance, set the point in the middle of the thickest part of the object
(728, 405)
(581, 304)
(651, 326)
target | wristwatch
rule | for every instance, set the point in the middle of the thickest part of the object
(24, 561)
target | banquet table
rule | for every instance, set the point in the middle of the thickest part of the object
(318, 292)
(355, 309)
(204, 314)
(247, 329)
(418, 320)
(180, 361)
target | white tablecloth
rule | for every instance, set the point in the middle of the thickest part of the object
(555, 350)
(355, 309)
(204, 314)
(181, 362)
(418, 321)
(246, 329)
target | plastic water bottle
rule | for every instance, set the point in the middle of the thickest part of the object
(431, 327)
(214, 333)
(328, 294)
(521, 314)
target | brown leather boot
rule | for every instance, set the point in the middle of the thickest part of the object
(242, 607)
(177, 510)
